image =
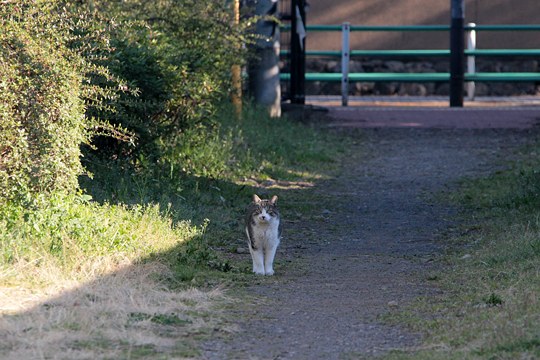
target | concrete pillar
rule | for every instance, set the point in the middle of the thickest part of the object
(264, 82)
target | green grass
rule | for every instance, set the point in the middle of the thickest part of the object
(490, 305)
(209, 177)
(156, 229)
(185, 207)
(68, 232)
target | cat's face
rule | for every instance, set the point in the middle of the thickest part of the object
(264, 211)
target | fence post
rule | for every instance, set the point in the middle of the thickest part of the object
(471, 63)
(457, 52)
(345, 57)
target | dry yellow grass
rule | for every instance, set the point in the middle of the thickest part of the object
(118, 314)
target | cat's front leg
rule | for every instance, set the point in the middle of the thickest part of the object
(258, 261)
(269, 259)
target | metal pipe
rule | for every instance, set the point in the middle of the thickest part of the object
(345, 57)
(264, 79)
(471, 61)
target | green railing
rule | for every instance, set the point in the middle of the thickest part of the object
(422, 53)
(419, 77)
(471, 76)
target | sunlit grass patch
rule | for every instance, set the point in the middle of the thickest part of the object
(91, 280)
(82, 239)
(115, 316)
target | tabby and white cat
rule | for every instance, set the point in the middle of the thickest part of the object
(263, 230)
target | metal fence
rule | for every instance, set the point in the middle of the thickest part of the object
(471, 76)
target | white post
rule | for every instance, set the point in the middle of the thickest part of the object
(345, 55)
(471, 64)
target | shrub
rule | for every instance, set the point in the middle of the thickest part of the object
(41, 111)
(51, 78)
(69, 72)
(179, 55)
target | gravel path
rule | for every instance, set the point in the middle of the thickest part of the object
(372, 252)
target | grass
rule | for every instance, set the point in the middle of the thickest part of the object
(490, 307)
(113, 271)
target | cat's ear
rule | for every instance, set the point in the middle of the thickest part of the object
(273, 200)
(256, 199)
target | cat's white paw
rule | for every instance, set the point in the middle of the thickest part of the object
(258, 271)
(270, 272)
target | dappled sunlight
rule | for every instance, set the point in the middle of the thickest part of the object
(303, 179)
(277, 184)
(288, 185)
(410, 124)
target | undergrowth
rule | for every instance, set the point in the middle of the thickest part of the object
(131, 94)
(490, 307)
(187, 214)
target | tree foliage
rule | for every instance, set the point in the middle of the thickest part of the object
(42, 119)
(74, 73)
(178, 54)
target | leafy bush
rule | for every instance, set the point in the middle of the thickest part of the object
(42, 119)
(178, 54)
(53, 82)
(69, 71)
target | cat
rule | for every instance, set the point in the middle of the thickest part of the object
(263, 229)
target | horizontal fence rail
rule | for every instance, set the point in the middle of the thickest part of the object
(471, 76)
(525, 27)
(421, 53)
(419, 77)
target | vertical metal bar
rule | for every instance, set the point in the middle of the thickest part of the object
(471, 61)
(298, 52)
(345, 57)
(293, 54)
(457, 40)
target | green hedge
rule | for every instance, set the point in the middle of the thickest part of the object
(136, 71)
(42, 122)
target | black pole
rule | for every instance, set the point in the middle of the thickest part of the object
(298, 53)
(457, 55)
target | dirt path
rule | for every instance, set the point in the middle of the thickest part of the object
(372, 251)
